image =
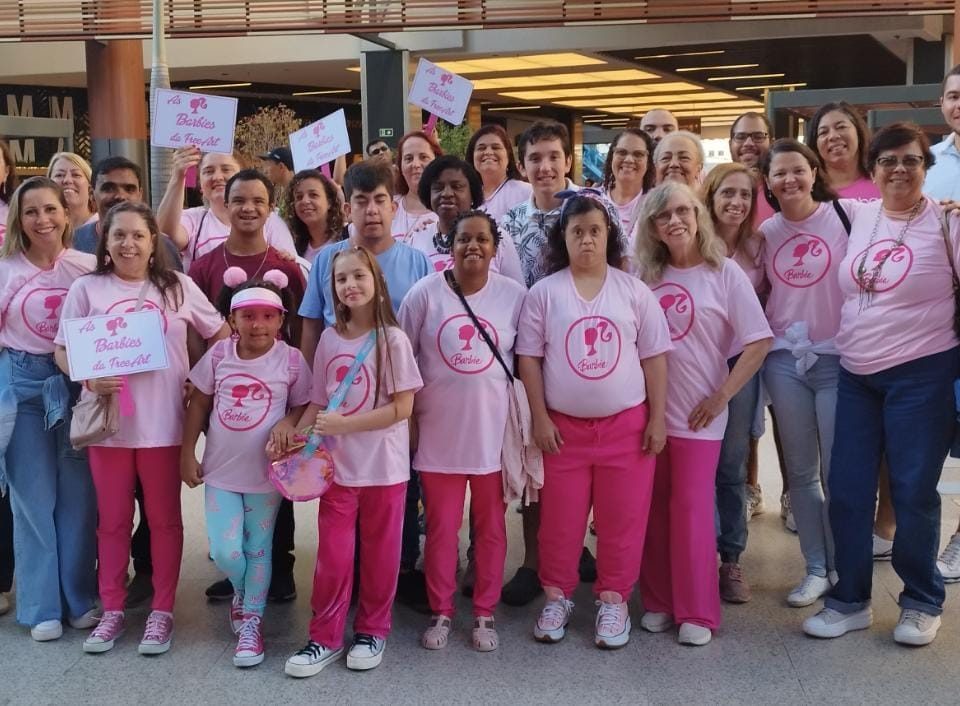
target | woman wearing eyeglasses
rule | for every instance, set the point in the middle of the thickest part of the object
(628, 174)
(899, 360)
(839, 136)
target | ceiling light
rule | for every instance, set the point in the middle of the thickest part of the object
(684, 53)
(719, 68)
(220, 85)
(772, 85)
(706, 99)
(516, 107)
(355, 69)
(553, 80)
(322, 93)
(596, 115)
(525, 62)
(597, 93)
(747, 77)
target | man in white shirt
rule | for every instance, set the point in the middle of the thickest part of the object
(943, 178)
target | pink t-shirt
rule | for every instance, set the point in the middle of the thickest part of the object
(215, 231)
(366, 458)
(592, 350)
(750, 259)
(629, 212)
(801, 260)
(508, 194)
(462, 409)
(909, 315)
(712, 314)
(863, 189)
(762, 210)
(158, 394)
(505, 261)
(249, 398)
(31, 299)
(405, 224)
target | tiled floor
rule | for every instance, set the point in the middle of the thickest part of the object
(759, 656)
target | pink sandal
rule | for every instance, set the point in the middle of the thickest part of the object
(485, 638)
(436, 635)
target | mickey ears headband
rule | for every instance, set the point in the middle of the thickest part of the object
(255, 296)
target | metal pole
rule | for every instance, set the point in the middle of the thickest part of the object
(160, 157)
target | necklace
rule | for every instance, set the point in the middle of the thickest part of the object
(441, 243)
(868, 281)
(226, 265)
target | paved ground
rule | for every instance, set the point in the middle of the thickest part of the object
(760, 655)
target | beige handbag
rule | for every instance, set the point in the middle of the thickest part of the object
(98, 418)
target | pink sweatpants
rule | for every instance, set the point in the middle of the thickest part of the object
(443, 502)
(380, 509)
(679, 571)
(601, 462)
(115, 472)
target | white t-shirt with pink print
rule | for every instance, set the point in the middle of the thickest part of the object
(366, 458)
(505, 261)
(31, 299)
(801, 260)
(909, 314)
(249, 398)
(592, 350)
(462, 409)
(158, 394)
(711, 314)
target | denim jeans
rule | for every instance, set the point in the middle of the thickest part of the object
(907, 413)
(805, 405)
(53, 504)
(732, 470)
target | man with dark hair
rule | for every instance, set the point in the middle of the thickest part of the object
(278, 166)
(379, 151)
(943, 178)
(750, 138)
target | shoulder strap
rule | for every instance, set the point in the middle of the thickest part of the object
(196, 240)
(448, 274)
(842, 215)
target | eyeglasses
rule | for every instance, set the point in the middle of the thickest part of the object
(638, 155)
(755, 136)
(378, 150)
(663, 218)
(910, 162)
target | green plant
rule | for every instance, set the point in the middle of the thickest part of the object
(453, 138)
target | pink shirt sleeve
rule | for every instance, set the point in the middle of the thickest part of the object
(202, 375)
(412, 313)
(653, 335)
(402, 374)
(507, 261)
(532, 330)
(747, 319)
(200, 312)
(76, 306)
(278, 235)
(301, 387)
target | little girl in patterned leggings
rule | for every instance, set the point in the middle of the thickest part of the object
(244, 387)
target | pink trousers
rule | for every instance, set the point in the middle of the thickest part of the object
(601, 462)
(115, 472)
(679, 572)
(380, 512)
(443, 503)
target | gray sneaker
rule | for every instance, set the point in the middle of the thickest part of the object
(916, 627)
(949, 561)
(832, 623)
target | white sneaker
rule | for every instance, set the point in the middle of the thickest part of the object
(882, 548)
(87, 620)
(949, 561)
(656, 622)
(754, 501)
(552, 622)
(691, 634)
(809, 591)
(366, 652)
(47, 630)
(832, 623)
(916, 627)
(4, 604)
(612, 627)
(311, 659)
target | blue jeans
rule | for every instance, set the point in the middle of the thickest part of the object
(53, 503)
(732, 470)
(806, 405)
(907, 413)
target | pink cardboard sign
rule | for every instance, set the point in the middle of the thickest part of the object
(103, 346)
(182, 118)
(321, 142)
(441, 92)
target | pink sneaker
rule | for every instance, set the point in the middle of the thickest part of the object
(613, 621)
(236, 613)
(108, 630)
(552, 624)
(250, 645)
(158, 633)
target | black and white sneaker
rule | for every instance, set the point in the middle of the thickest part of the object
(311, 659)
(366, 652)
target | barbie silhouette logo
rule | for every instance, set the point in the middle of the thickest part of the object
(593, 346)
(128, 306)
(243, 401)
(802, 261)
(360, 388)
(462, 346)
(885, 265)
(40, 311)
(441, 262)
(198, 103)
(678, 307)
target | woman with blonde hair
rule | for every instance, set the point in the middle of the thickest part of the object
(74, 175)
(712, 311)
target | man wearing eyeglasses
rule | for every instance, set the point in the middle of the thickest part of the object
(750, 137)
(379, 151)
(943, 178)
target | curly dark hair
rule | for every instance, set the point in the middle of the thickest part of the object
(859, 126)
(227, 292)
(433, 171)
(513, 172)
(555, 254)
(649, 176)
(475, 213)
(299, 230)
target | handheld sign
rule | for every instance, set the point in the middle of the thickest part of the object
(182, 118)
(321, 142)
(441, 93)
(103, 346)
